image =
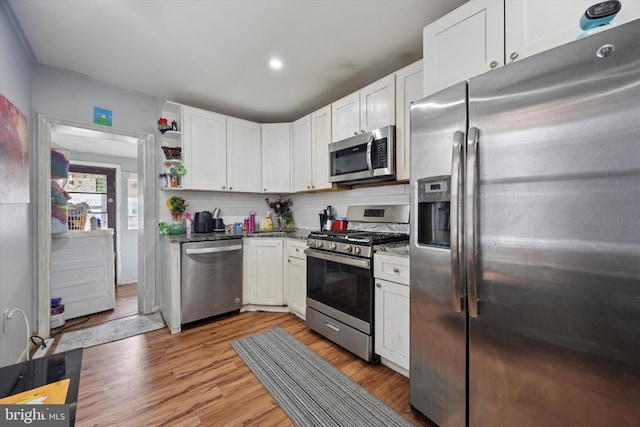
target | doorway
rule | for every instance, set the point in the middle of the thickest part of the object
(144, 147)
(95, 188)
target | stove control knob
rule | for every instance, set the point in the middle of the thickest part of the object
(319, 244)
(356, 250)
(333, 246)
(347, 248)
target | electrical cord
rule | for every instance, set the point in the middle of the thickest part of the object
(26, 321)
(41, 343)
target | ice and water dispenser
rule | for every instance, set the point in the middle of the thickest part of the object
(434, 200)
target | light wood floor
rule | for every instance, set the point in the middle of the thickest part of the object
(126, 305)
(195, 378)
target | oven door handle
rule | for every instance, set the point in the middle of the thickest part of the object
(340, 259)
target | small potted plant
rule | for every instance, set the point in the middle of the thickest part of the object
(177, 206)
(284, 216)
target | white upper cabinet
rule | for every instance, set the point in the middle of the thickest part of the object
(377, 104)
(320, 140)
(204, 150)
(301, 173)
(244, 158)
(464, 43)
(408, 89)
(533, 26)
(345, 113)
(484, 34)
(310, 151)
(370, 108)
(276, 158)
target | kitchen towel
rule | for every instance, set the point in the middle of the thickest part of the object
(310, 390)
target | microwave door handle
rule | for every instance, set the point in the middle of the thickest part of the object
(369, 149)
(456, 220)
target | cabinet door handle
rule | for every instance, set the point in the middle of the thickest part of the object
(362, 131)
(493, 64)
(396, 270)
(230, 188)
(355, 132)
(378, 285)
(264, 189)
(223, 187)
(513, 55)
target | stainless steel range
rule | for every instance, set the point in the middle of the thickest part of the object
(340, 275)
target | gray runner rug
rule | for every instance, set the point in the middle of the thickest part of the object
(310, 390)
(109, 331)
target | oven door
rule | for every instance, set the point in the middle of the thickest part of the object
(341, 287)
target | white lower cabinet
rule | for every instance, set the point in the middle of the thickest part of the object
(263, 279)
(392, 311)
(170, 270)
(296, 277)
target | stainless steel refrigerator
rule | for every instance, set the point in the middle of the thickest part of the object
(525, 241)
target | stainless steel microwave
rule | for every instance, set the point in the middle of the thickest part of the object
(370, 156)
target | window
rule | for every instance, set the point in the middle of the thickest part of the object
(91, 189)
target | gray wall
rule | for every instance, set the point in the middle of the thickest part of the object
(17, 278)
(72, 96)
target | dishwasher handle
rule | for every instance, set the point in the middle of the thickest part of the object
(213, 250)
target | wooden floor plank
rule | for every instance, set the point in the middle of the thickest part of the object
(195, 378)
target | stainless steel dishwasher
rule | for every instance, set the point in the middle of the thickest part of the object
(211, 279)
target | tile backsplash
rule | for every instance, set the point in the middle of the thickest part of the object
(307, 206)
(235, 207)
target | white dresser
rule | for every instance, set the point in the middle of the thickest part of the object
(82, 271)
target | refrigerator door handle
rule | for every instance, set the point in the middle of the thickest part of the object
(456, 220)
(471, 219)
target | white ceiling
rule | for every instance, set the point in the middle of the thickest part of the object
(214, 54)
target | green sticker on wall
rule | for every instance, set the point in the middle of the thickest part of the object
(102, 116)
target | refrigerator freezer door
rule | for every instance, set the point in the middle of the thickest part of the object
(556, 340)
(438, 331)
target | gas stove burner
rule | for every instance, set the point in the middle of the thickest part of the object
(331, 233)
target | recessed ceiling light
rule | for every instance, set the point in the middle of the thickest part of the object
(276, 64)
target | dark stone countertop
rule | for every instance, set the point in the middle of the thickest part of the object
(396, 249)
(299, 234)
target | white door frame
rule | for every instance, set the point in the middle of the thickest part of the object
(146, 205)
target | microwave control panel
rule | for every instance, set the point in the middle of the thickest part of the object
(380, 154)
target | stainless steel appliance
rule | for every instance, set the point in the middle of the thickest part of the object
(340, 275)
(525, 241)
(367, 157)
(211, 282)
